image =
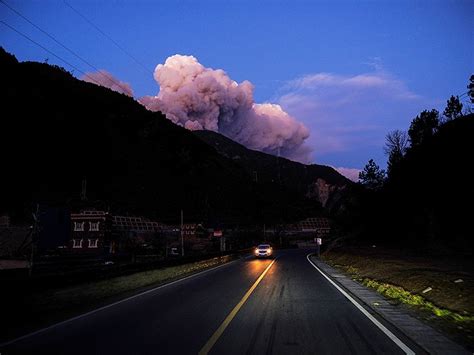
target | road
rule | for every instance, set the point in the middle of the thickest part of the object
(234, 309)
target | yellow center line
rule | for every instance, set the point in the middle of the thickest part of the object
(213, 339)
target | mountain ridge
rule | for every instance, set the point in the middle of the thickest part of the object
(58, 130)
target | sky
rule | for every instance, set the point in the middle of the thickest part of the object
(349, 71)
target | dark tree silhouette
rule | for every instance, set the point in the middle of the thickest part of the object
(453, 108)
(423, 126)
(396, 145)
(372, 176)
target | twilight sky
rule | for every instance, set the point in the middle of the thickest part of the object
(350, 71)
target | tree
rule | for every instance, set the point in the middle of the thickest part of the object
(453, 108)
(395, 147)
(470, 88)
(423, 126)
(372, 176)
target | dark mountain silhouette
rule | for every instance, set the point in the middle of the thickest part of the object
(57, 130)
(299, 178)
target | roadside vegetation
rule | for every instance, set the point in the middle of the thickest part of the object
(58, 299)
(43, 307)
(437, 290)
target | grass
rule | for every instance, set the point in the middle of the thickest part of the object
(402, 278)
(25, 311)
(105, 289)
(400, 294)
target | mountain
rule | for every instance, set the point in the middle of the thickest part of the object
(57, 130)
(309, 181)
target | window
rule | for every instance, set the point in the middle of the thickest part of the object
(77, 243)
(94, 226)
(93, 243)
(78, 226)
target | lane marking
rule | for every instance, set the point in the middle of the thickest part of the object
(379, 325)
(114, 304)
(213, 339)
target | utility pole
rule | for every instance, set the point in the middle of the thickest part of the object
(182, 235)
(34, 237)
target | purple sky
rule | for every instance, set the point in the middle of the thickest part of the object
(350, 71)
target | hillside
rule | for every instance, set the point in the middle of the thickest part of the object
(266, 168)
(426, 203)
(56, 130)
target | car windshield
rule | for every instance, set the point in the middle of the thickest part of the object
(263, 246)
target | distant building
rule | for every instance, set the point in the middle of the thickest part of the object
(319, 225)
(54, 229)
(191, 230)
(135, 224)
(91, 231)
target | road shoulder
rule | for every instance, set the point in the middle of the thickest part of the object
(426, 337)
(54, 307)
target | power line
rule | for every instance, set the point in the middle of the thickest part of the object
(47, 50)
(61, 44)
(107, 36)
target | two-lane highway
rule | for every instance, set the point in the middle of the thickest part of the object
(248, 306)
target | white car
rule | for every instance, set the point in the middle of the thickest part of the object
(263, 251)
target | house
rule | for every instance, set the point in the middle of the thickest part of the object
(319, 225)
(192, 230)
(91, 231)
(139, 225)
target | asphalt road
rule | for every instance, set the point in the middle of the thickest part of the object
(292, 309)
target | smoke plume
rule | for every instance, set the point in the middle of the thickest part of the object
(105, 79)
(198, 98)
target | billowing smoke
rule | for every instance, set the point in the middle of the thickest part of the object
(105, 79)
(203, 98)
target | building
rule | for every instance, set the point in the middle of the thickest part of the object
(319, 225)
(192, 230)
(135, 224)
(91, 231)
(54, 229)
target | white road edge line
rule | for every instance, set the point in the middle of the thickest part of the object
(379, 325)
(112, 304)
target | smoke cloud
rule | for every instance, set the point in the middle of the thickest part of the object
(197, 98)
(105, 79)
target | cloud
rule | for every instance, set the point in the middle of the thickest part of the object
(349, 115)
(105, 79)
(350, 173)
(197, 98)
(379, 80)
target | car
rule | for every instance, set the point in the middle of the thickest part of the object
(263, 251)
